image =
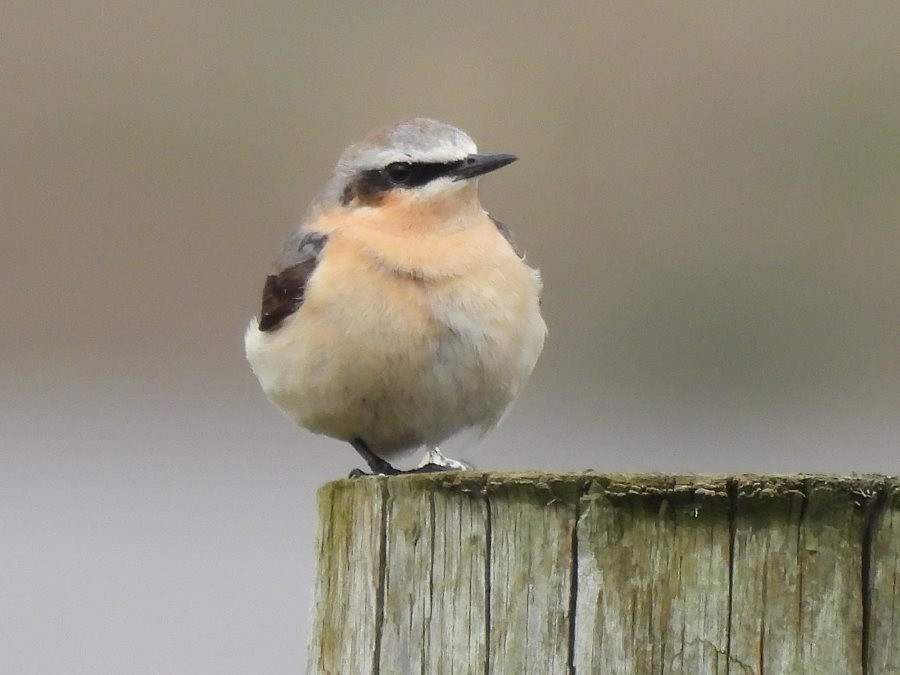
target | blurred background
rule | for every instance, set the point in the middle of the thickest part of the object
(712, 191)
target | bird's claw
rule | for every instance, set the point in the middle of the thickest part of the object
(434, 457)
(430, 467)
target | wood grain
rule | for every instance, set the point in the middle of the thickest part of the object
(499, 573)
(883, 655)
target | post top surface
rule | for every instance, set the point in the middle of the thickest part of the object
(661, 484)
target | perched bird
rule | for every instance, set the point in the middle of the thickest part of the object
(399, 313)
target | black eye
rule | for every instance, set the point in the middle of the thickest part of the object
(398, 172)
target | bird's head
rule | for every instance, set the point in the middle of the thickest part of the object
(416, 161)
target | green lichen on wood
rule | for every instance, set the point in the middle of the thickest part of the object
(653, 552)
(883, 589)
(464, 572)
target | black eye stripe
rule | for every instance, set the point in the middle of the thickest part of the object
(368, 186)
(422, 173)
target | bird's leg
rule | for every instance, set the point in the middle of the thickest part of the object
(435, 461)
(376, 464)
(431, 462)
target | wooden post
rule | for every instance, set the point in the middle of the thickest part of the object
(512, 573)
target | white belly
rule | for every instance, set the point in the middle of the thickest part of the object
(401, 363)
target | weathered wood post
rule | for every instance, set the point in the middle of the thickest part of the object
(511, 573)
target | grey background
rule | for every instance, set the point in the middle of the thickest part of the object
(712, 191)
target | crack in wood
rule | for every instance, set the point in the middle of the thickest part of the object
(575, 573)
(732, 491)
(573, 584)
(382, 576)
(488, 556)
(875, 504)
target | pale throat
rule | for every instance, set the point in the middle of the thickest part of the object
(424, 238)
(439, 211)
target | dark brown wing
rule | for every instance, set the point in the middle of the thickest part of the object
(284, 291)
(507, 234)
(283, 294)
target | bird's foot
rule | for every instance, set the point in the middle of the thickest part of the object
(386, 470)
(422, 468)
(431, 462)
(378, 466)
(430, 467)
(434, 458)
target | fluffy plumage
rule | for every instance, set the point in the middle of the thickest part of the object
(404, 320)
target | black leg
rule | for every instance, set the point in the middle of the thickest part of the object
(376, 464)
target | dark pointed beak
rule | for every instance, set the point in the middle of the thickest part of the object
(476, 165)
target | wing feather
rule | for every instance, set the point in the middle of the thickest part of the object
(507, 234)
(284, 291)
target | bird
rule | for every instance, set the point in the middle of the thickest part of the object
(400, 313)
